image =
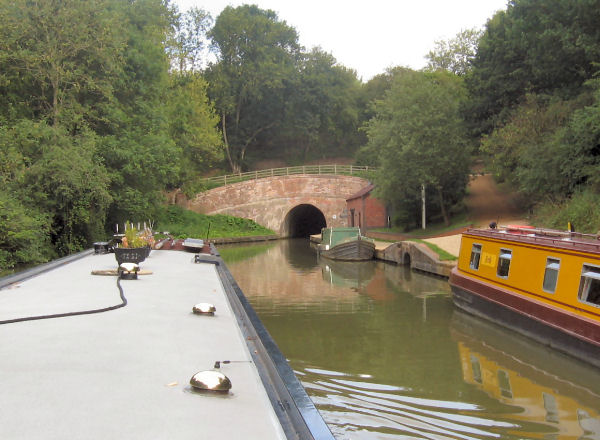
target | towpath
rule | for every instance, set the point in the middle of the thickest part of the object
(486, 202)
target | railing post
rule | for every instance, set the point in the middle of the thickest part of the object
(335, 169)
(256, 175)
(225, 179)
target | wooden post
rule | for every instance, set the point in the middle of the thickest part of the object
(423, 222)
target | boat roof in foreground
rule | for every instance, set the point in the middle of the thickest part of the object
(125, 373)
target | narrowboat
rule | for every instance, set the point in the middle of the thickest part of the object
(346, 244)
(542, 283)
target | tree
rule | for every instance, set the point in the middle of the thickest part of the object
(69, 182)
(59, 58)
(257, 59)
(188, 42)
(372, 92)
(536, 46)
(193, 125)
(323, 109)
(455, 55)
(528, 150)
(420, 140)
(83, 120)
(23, 232)
(140, 156)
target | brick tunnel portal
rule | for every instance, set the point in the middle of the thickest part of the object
(302, 221)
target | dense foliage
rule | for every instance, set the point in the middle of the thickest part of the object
(419, 139)
(535, 99)
(108, 104)
(93, 126)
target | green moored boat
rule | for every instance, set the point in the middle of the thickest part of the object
(345, 244)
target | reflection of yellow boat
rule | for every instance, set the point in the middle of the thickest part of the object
(554, 390)
(542, 283)
(347, 273)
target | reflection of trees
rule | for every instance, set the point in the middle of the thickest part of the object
(287, 274)
(375, 329)
(240, 252)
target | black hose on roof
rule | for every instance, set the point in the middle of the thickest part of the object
(83, 312)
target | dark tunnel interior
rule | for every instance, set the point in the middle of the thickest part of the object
(304, 220)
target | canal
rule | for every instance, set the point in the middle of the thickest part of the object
(384, 355)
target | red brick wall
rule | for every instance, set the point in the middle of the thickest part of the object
(368, 212)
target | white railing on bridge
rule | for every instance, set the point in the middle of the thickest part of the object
(348, 170)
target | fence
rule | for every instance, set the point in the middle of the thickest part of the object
(347, 170)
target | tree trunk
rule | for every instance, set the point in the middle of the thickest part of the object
(443, 208)
(226, 142)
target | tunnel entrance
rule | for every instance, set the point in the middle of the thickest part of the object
(302, 221)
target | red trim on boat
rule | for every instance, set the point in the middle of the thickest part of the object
(577, 326)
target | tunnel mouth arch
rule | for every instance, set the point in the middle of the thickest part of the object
(303, 221)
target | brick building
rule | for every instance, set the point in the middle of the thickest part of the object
(365, 211)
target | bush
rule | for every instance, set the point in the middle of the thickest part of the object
(582, 210)
(24, 234)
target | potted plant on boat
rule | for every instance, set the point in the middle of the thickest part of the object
(135, 247)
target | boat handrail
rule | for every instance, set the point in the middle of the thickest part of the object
(565, 239)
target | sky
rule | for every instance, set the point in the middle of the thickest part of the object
(371, 35)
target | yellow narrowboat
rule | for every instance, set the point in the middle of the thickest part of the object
(542, 283)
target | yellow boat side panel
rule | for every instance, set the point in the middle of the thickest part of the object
(522, 268)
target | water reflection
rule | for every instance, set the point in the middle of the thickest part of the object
(383, 354)
(552, 389)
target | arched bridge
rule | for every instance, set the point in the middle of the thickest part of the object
(291, 205)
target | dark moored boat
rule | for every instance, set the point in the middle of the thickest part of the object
(345, 244)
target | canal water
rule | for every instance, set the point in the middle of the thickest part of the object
(384, 355)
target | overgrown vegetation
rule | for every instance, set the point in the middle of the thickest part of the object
(582, 209)
(535, 99)
(182, 223)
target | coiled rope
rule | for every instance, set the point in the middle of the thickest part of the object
(83, 312)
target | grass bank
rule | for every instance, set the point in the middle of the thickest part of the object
(442, 254)
(182, 223)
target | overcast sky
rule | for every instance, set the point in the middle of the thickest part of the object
(371, 35)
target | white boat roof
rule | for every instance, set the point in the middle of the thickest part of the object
(125, 373)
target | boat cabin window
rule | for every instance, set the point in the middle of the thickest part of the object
(504, 263)
(589, 286)
(551, 274)
(475, 256)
